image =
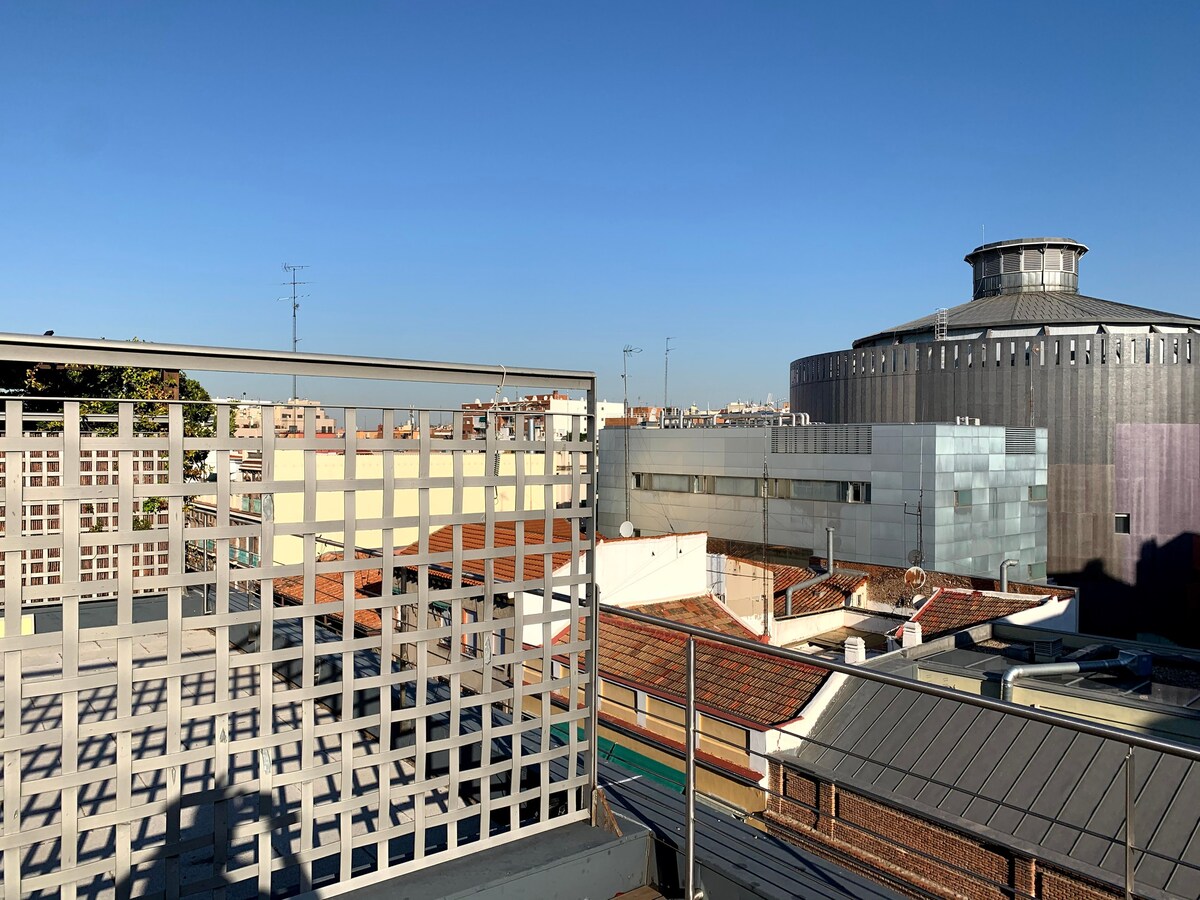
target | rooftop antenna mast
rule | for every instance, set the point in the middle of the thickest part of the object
(666, 381)
(766, 626)
(295, 306)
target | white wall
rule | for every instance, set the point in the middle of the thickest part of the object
(1055, 615)
(652, 569)
(629, 572)
(801, 628)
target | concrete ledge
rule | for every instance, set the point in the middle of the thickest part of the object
(573, 861)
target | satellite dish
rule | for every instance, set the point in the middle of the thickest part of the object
(626, 529)
(916, 557)
(914, 577)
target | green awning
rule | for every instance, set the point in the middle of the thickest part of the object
(630, 760)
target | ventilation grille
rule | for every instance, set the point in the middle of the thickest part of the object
(1019, 440)
(822, 439)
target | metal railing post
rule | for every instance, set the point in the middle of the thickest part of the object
(1129, 833)
(593, 633)
(689, 728)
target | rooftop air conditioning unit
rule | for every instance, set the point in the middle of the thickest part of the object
(1047, 651)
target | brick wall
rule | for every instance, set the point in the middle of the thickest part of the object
(849, 828)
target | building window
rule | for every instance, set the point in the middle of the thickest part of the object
(637, 480)
(858, 492)
(678, 484)
(962, 498)
(728, 486)
(1037, 492)
(1121, 523)
(817, 490)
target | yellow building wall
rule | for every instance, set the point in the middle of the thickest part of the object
(724, 740)
(289, 507)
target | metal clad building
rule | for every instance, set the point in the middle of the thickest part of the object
(981, 490)
(1115, 385)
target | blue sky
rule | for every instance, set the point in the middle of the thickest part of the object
(542, 183)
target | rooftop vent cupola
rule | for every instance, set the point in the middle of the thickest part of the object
(1026, 264)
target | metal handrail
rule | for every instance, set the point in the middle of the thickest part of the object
(89, 351)
(1106, 732)
(1131, 740)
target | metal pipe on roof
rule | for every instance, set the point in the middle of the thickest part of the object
(804, 585)
(1138, 663)
(1004, 567)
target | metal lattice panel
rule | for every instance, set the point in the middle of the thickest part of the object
(173, 724)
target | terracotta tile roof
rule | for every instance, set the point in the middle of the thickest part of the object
(504, 568)
(737, 685)
(948, 610)
(327, 588)
(830, 594)
(702, 612)
(786, 576)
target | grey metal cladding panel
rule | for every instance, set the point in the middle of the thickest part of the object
(970, 728)
(861, 706)
(1051, 778)
(1080, 809)
(765, 867)
(1108, 817)
(1171, 788)
(1010, 767)
(898, 747)
(923, 760)
(1185, 881)
(977, 772)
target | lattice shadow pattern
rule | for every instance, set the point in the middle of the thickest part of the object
(194, 693)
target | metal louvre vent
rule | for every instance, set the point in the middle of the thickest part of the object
(1031, 260)
(821, 439)
(1053, 259)
(1010, 261)
(991, 265)
(1068, 260)
(1019, 440)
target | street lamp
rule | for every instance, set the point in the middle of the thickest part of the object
(625, 351)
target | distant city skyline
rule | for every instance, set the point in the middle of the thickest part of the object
(543, 184)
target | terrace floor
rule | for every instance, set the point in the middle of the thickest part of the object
(216, 803)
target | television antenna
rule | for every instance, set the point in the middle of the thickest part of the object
(295, 306)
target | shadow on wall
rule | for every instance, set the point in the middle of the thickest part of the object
(1164, 601)
(187, 856)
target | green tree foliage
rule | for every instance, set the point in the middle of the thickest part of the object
(95, 385)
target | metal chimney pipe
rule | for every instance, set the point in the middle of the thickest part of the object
(1004, 573)
(828, 573)
(1138, 663)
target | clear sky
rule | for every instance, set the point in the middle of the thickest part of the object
(543, 183)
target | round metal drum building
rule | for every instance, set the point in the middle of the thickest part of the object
(1116, 386)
